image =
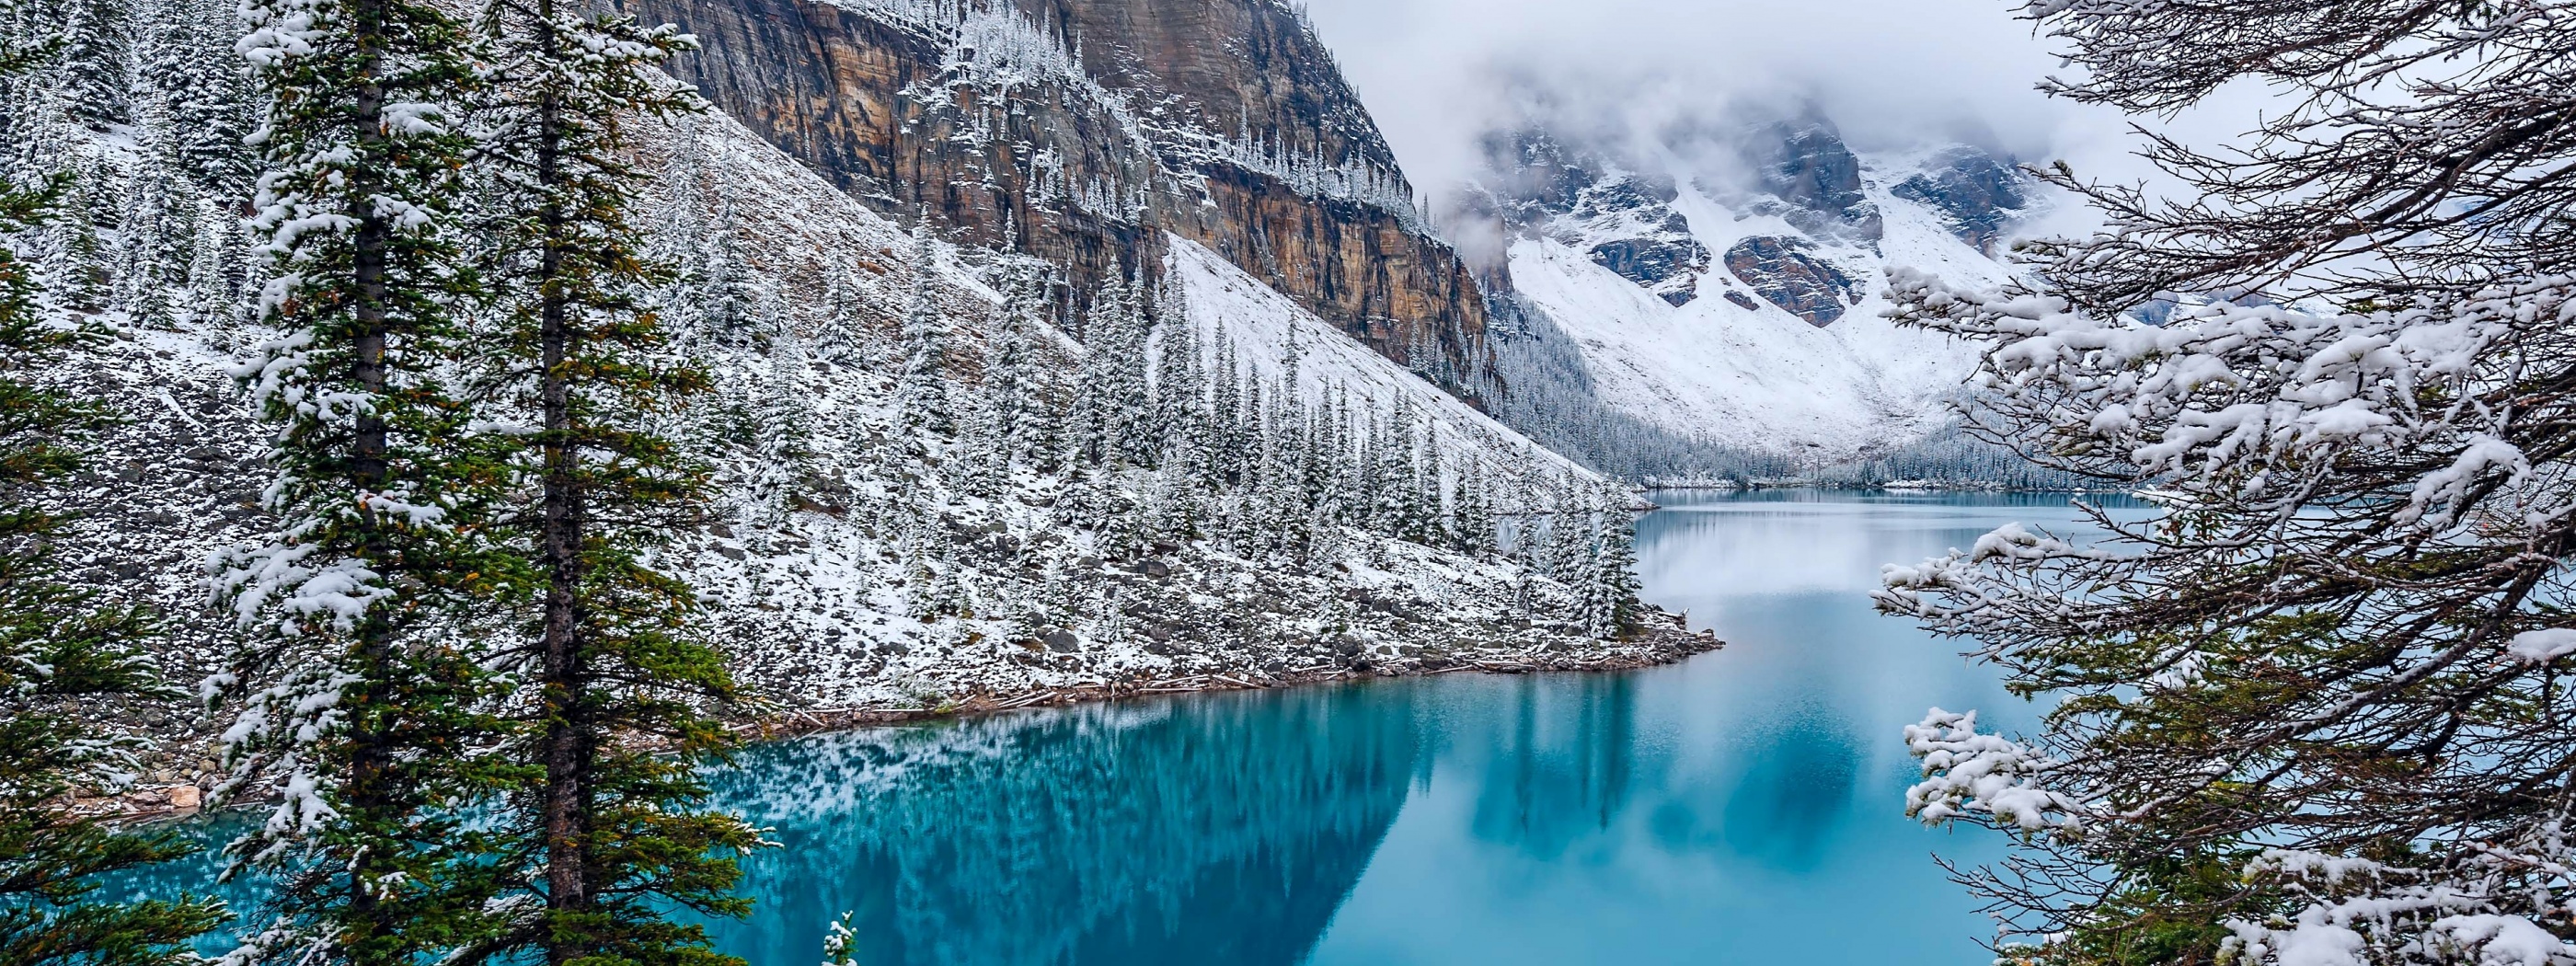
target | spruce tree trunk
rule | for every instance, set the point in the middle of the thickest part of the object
(568, 750)
(370, 757)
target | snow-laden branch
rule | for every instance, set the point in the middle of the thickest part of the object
(2358, 912)
(2227, 398)
(1969, 774)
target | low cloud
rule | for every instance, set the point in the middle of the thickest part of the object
(1439, 74)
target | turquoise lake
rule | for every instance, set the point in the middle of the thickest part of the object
(1743, 807)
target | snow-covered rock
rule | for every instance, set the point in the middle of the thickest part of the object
(1735, 299)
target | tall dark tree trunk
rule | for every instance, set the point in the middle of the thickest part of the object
(569, 739)
(370, 750)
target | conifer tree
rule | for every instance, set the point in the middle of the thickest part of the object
(215, 278)
(1425, 517)
(1178, 390)
(782, 423)
(1127, 391)
(2315, 710)
(1606, 584)
(1471, 527)
(74, 271)
(367, 705)
(1395, 480)
(1569, 534)
(985, 464)
(1010, 387)
(720, 290)
(613, 830)
(1043, 416)
(840, 340)
(202, 93)
(156, 233)
(1226, 444)
(922, 389)
(93, 72)
(58, 646)
(1098, 418)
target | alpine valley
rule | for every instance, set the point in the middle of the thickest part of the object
(1065, 348)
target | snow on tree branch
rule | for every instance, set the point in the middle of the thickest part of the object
(1968, 774)
(2356, 912)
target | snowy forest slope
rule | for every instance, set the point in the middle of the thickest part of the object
(945, 472)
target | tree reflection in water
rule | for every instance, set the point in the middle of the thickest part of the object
(1172, 832)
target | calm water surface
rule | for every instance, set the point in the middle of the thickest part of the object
(1743, 807)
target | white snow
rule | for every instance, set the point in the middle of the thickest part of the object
(1762, 378)
(2543, 646)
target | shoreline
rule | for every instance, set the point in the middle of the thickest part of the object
(1664, 641)
(1655, 647)
(1900, 486)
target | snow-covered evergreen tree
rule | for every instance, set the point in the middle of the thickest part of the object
(74, 267)
(364, 703)
(217, 279)
(1179, 391)
(720, 296)
(61, 648)
(612, 834)
(2315, 711)
(1013, 389)
(783, 424)
(1108, 390)
(922, 389)
(841, 338)
(1125, 387)
(157, 233)
(1606, 583)
(196, 92)
(1471, 514)
(94, 64)
(1568, 545)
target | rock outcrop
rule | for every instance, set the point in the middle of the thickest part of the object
(1625, 221)
(1781, 271)
(1975, 193)
(1814, 181)
(1081, 130)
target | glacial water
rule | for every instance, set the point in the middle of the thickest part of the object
(1743, 807)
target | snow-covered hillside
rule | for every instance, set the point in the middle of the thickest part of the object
(1743, 310)
(857, 559)
(1269, 330)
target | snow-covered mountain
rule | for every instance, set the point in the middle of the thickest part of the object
(959, 203)
(1732, 296)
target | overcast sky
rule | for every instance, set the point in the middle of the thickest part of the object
(1890, 73)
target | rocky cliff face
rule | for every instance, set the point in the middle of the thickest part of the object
(1799, 214)
(1781, 271)
(1081, 130)
(1976, 194)
(1719, 281)
(1625, 221)
(1811, 179)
